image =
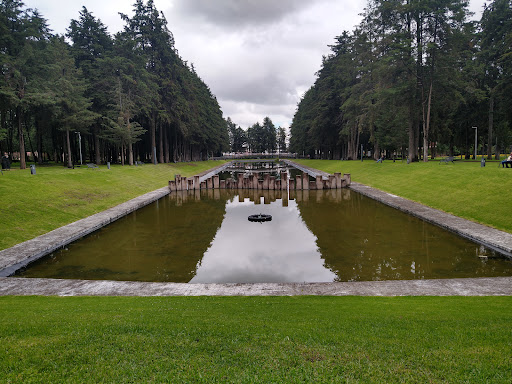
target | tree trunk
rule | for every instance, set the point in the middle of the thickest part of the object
(97, 153)
(23, 164)
(153, 137)
(491, 124)
(166, 145)
(161, 144)
(426, 123)
(39, 144)
(130, 154)
(411, 151)
(68, 145)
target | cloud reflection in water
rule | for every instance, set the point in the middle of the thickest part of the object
(282, 250)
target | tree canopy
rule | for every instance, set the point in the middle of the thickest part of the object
(412, 79)
(129, 96)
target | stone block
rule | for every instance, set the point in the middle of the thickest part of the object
(319, 182)
(305, 181)
(337, 176)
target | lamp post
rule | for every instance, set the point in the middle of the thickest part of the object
(476, 135)
(80, 146)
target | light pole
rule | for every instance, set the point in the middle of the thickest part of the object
(476, 134)
(80, 145)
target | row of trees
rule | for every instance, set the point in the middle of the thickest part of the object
(414, 77)
(129, 96)
(259, 138)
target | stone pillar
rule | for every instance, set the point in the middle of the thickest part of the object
(266, 181)
(190, 182)
(197, 183)
(216, 182)
(312, 185)
(203, 185)
(347, 178)
(184, 184)
(172, 185)
(298, 183)
(292, 185)
(240, 181)
(332, 182)
(272, 183)
(337, 176)
(209, 183)
(278, 185)
(177, 179)
(222, 184)
(305, 181)
(319, 182)
(284, 179)
(260, 185)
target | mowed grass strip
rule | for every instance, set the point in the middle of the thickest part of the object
(256, 339)
(31, 205)
(465, 189)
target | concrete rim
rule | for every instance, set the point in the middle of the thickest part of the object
(22, 254)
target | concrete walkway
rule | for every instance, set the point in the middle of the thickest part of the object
(497, 286)
(20, 255)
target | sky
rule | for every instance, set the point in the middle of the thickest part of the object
(257, 56)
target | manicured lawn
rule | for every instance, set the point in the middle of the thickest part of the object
(31, 205)
(464, 189)
(256, 339)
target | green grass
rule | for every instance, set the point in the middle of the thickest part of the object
(465, 189)
(256, 339)
(31, 205)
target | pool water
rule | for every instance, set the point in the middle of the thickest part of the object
(314, 236)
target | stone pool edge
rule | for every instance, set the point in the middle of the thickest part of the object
(22, 254)
(482, 286)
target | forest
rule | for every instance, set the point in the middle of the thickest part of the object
(123, 98)
(415, 79)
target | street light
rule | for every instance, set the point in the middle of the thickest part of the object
(476, 134)
(80, 145)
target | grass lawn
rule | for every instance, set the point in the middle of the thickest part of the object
(465, 189)
(256, 339)
(31, 205)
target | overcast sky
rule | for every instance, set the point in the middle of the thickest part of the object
(257, 56)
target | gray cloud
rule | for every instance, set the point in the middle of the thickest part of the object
(236, 13)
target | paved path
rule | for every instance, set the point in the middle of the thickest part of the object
(497, 286)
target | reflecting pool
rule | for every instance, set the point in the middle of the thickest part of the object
(314, 236)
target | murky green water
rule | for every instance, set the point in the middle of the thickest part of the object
(314, 236)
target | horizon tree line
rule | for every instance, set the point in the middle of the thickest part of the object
(258, 138)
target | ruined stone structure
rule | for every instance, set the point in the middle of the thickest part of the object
(268, 182)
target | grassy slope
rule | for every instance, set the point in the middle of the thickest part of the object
(464, 189)
(256, 339)
(31, 205)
